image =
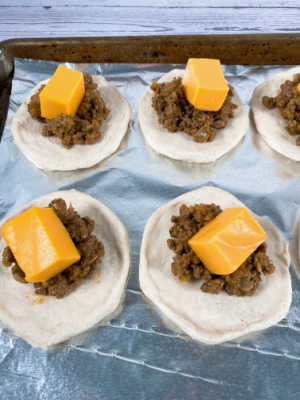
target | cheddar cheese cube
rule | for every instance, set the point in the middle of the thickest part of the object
(204, 84)
(63, 93)
(228, 240)
(40, 243)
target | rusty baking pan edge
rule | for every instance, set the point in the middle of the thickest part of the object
(254, 49)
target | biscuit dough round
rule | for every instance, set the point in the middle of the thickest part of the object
(45, 320)
(48, 153)
(269, 123)
(180, 145)
(206, 317)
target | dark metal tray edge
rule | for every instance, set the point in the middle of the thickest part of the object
(254, 49)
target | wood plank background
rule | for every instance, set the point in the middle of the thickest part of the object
(43, 18)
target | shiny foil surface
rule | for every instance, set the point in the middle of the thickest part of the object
(136, 356)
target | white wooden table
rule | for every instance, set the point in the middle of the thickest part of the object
(44, 18)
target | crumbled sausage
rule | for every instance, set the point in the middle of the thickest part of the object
(7, 257)
(18, 274)
(176, 114)
(90, 248)
(84, 127)
(213, 286)
(288, 103)
(34, 106)
(188, 267)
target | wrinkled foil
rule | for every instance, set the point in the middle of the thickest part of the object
(136, 356)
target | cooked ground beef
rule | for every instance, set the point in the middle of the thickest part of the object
(90, 248)
(175, 113)
(188, 267)
(288, 103)
(84, 127)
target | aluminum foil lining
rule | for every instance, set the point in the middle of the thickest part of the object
(135, 356)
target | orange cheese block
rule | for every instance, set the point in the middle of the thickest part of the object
(63, 93)
(204, 84)
(298, 88)
(228, 240)
(40, 243)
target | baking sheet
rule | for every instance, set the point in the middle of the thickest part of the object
(135, 356)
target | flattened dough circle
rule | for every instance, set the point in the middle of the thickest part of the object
(269, 123)
(205, 317)
(48, 153)
(181, 146)
(96, 299)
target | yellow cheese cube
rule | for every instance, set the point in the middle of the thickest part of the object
(40, 243)
(228, 240)
(204, 84)
(63, 93)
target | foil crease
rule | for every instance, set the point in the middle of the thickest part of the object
(136, 356)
